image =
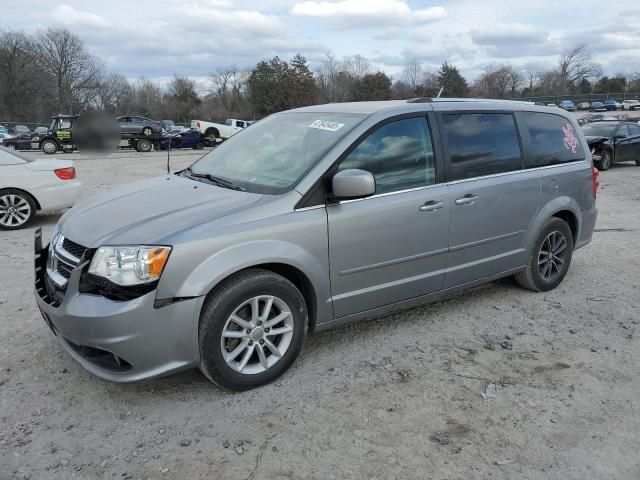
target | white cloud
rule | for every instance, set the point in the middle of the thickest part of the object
(509, 33)
(367, 13)
(69, 16)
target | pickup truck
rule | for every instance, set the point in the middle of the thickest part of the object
(219, 130)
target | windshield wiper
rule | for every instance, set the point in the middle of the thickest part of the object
(221, 182)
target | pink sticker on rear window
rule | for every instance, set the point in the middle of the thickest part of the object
(570, 139)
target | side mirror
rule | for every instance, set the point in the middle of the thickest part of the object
(353, 183)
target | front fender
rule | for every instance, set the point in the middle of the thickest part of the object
(230, 260)
(555, 205)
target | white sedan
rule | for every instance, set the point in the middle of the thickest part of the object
(28, 185)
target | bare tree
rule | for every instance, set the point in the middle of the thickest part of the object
(412, 75)
(577, 64)
(23, 88)
(62, 56)
(531, 72)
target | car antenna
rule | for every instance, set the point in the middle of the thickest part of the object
(168, 156)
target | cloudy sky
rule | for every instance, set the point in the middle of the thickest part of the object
(157, 38)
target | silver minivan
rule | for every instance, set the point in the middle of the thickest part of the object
(311, 219)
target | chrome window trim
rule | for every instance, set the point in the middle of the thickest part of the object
(452, 182)
(513, 172)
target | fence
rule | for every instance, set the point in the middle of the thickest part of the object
(588, 97)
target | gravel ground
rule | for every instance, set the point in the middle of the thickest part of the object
(399, 397)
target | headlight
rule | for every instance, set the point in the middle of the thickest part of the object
(130, 265)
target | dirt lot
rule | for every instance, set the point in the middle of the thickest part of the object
(398, 397)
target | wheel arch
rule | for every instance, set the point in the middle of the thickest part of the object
(563, 207)
(212, 130)
(284, 258)
(26, 192)
(296, 276)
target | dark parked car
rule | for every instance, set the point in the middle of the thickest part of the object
(18, 129)
(139, 125)
(613, 141)
(189, 139)
(568, 105)
(611, 104)
(19, 142)
(597, 107)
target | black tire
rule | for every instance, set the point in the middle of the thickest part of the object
(10, 146)
(212, 134)
(219, 307)
(49, 147)
(638, 162)
(199, 146)
(605, 162)
(144, 145)
(17, 196)
(147, 131)
(531, 277)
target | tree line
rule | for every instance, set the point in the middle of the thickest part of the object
(52, 72)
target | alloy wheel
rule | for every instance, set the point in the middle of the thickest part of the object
(552, 256)
(14, 210)
(257, 334)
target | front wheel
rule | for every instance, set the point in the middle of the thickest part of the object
(147, 131)
(605, 161)
(251, 330)
(549, 258)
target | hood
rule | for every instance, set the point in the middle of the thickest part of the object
(591, 139)
(149, 211)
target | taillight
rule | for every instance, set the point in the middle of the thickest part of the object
(68, 173)
(197, 124)
(594, 180)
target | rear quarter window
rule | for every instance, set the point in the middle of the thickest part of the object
(480, 144)
(552, 139)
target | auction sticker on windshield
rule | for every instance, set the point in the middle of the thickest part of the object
(326, 125)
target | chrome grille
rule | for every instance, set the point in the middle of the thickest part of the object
(73, 248)
(64, 256)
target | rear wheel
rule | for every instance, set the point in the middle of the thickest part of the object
(10, 146)
(251, 330)
(147, 131)
(144, 145)
(49, 147)
(549, 258)
(17, 209)
(199, 146)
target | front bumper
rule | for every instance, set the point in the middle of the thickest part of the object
(119, 341)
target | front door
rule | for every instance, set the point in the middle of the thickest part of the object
(623, 144)
(391, 246)
(493, 200)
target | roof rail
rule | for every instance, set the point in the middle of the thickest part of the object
(420, 100)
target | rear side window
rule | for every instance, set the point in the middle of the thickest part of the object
(633, 130)
(481, 144)
(552, 139)
(399, 154)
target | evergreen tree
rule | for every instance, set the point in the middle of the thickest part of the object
(454, 84)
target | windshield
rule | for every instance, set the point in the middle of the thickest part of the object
(276, 152)
(598, 129)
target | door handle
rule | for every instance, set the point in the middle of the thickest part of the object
(431, 206)
(468, 199)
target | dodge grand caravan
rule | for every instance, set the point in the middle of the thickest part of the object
(311, 219)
